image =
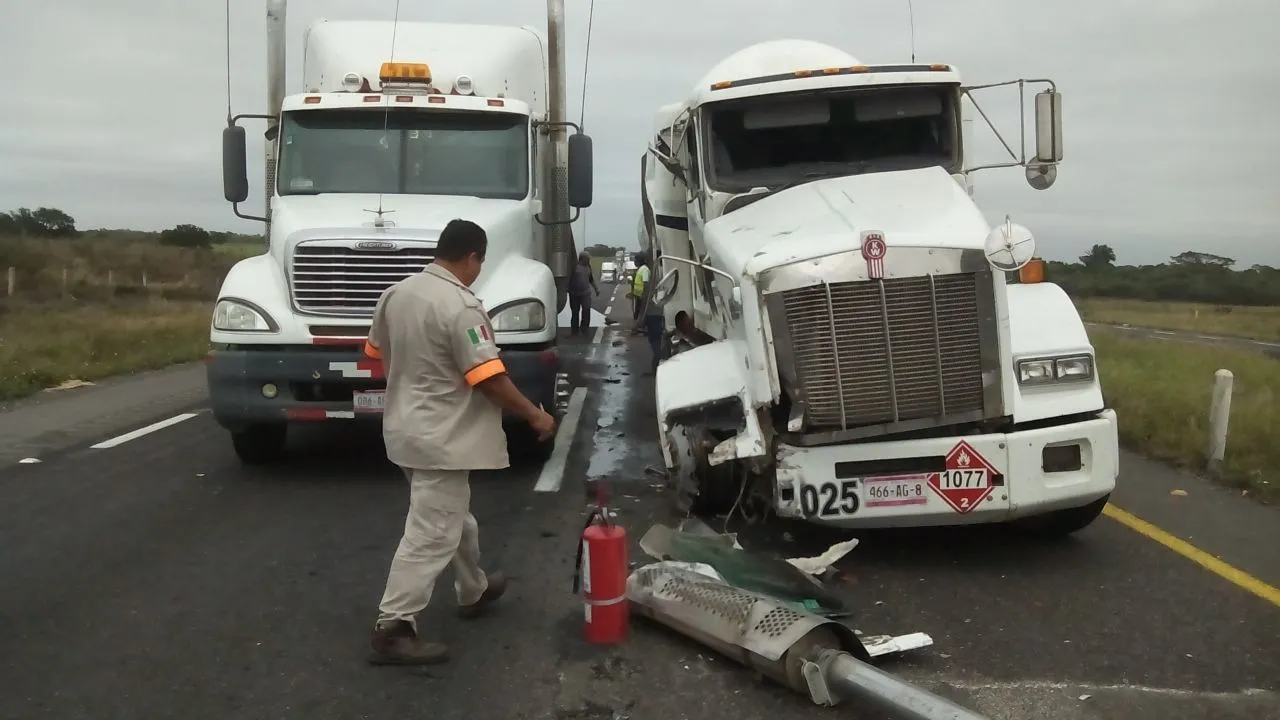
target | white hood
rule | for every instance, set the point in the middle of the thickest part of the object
(418, 217)
(511, 271)
(913, 208)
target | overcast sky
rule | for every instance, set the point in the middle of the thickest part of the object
(1170, 107)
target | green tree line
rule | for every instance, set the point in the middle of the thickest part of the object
(1189, 276)
(48, 222)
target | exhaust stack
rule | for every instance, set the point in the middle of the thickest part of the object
(275, 92)
(560, 248)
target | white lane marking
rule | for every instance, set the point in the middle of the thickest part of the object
(1162, 332)
(552, 474)
(599, 335)
(608, 309)
(122, 439)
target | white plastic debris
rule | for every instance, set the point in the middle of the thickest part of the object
(818, 565)
(29, 461)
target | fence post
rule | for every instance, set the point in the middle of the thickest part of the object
(144, 279)
(1219, 417)
(111, 283)
(13, 280)
(64, 282)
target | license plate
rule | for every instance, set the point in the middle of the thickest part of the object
(895, 490)
(368, 401)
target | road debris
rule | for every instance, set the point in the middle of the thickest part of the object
(815, 655)
(819, 565)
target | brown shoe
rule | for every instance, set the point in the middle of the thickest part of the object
(396, 643)
(497, 586)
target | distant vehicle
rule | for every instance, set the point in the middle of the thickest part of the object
(871, 364)
(608, 272)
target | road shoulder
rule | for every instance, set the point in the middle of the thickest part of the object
(53, 420)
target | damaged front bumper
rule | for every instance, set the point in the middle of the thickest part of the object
(951, 480)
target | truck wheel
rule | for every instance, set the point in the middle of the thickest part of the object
(524, 447)
(1061, 523)
(259, 444)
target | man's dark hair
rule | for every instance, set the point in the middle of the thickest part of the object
(459, 239)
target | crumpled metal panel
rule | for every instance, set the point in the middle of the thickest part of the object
(757, 623)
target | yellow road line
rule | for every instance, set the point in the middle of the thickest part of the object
(1233, 574)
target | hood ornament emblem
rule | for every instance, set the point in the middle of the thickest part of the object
(874, 249)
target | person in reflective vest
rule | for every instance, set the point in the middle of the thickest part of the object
(639, 284)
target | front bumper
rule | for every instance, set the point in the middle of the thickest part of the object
(897, 483)
(317, 383)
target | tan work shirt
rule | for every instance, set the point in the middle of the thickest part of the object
(436, 344)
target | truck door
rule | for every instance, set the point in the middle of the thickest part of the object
(706, 308)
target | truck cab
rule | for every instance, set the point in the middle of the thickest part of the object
(870, 365)
(364, 167)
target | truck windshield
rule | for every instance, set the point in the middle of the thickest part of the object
(781, 140)
(411, 152)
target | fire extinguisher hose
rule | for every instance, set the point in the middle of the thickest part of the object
(598, 515)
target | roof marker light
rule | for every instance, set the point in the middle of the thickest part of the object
(351, 82)
(405, 72)
(463, 85)
(311, 100)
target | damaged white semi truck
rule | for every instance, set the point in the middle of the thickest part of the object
(861, 358)
(396, 129)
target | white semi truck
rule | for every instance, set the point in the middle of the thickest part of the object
(861, 360)
(397, 129)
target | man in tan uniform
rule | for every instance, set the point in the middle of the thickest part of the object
(446, 390)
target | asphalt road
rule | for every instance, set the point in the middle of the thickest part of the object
(157, 578)
(1270, 349)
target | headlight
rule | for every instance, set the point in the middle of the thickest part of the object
(1052, 370)
(235, 316)
(528, 316)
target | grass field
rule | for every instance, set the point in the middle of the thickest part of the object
(43, 346)
(1259, 323)
(1161, 392)
(81, 311)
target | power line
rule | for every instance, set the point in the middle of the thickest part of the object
(228, 33)
(586, 72)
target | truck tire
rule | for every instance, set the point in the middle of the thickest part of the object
(259, 444)
(1062, 523)
(524, 447)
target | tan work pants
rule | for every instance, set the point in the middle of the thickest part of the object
(438, 530)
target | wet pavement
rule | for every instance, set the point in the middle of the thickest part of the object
(159, 578)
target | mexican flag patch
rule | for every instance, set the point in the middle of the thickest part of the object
(479, 334)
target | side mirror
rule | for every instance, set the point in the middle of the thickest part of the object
(666, 288)
(235, 172)
(1049, 127)
(580, 171)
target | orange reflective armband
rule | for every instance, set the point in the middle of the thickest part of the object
(370, 350)
(484, 371)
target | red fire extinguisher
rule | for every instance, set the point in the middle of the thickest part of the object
(601, 571)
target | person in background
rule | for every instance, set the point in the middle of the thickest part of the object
(639, 284)
(654, 324)
(581, 284)
(446, 390)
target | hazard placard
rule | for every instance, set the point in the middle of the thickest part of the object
(967, 479)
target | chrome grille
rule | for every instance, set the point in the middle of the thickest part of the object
(886, 351)
(336, 280)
